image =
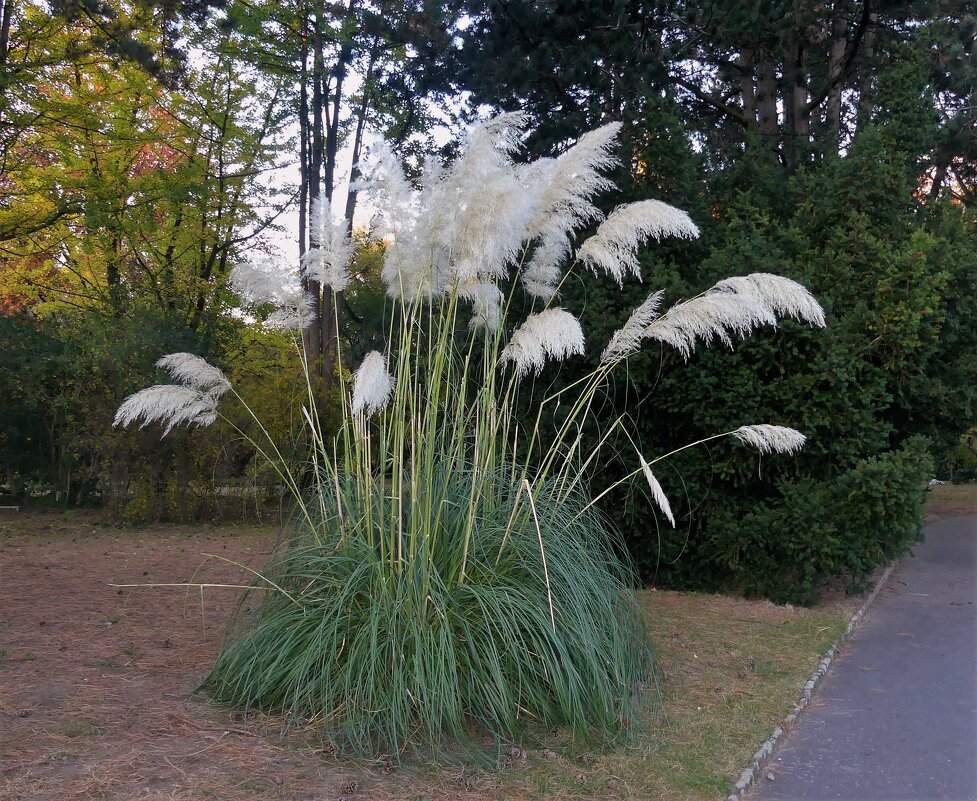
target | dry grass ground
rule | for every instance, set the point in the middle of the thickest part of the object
(952, 500)
(96, 686)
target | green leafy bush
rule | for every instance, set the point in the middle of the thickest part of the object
(63, 375)
(843, 526)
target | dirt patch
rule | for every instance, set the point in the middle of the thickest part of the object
(96, 681)
(951, 500)
(97, 702)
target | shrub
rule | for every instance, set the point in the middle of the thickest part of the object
(843, 527)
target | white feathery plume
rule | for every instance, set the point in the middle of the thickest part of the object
(414, 267)
(656, 491)
(553, 332)
(571, 179)
(194, 372)
(504, 131)
(170, 403)
(257, 282)
(371, 384)
(627, 338)
(486, 301)
(561, 189)
(487, 226)
(194, 403)
(384, 180)
(328, 260)
(260, 283)
(481, 201)
(771, 439)
(783, 295)
(541, 276)
(469, 219)
(713, 315)
(296, 311)
(614, 248)
(431, 171)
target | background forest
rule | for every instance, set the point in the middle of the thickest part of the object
(145, 149)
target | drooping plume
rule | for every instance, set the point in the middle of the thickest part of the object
(784, 296)
(257, 282)
(371, 385)
(614, 248)
(661, 500)
(627, 339)
(328, 260)
(553, 333)
(296, 310)
(193, 403)
(167, 403)
(486, 300)
(713, 315)
(194, 372)
(734, 306)
(771, 439)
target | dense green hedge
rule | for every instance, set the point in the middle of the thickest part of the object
(787, 548)
(65, 374)
(889, 382)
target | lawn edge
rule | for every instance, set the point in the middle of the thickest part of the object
(752, 772)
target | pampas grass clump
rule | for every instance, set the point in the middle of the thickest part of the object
(447, 570)
(386, 660)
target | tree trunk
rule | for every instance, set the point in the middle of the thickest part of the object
(329, 324)
(312, 335)
(303, 148)
(939, 176)
(796, 126)
(839, 41)
(766, 101)
(358, 137)
(744, 64)
(866, 101)
(6, 12)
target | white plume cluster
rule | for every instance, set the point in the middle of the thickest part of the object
(327, 261)
(471, 222)
(554, 332)
(296, 310)
(383, 177)
(734, 307)
(771, 439)
(192, 403)
(614, 248)
(258, 283)
(627, 339)
(657, 493)
(371, 384)
(564, 186)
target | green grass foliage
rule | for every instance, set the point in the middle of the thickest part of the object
(384, 655)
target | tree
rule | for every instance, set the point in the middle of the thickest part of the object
(118, 190)
(393, 50)
(806, 142)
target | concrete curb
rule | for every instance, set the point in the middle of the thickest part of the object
(763, 756)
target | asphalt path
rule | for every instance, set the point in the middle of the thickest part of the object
(896, 717)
